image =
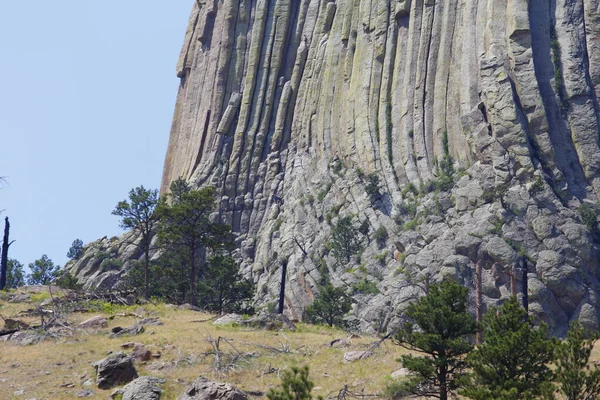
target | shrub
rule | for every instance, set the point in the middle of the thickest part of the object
(295, 385)
(67, 281)
(345, 242)
(365, 287)
(330, 306)
(381, 236)
(372, 187)
(589, 217)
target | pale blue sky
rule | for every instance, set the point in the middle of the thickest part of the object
(87, 91)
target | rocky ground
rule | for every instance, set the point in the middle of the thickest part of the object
(94, 349)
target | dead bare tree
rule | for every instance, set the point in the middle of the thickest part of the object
(4, 259)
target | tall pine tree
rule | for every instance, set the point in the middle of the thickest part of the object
(512, 362)
(443, 327)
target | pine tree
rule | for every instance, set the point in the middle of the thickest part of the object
(576, 378)
(187, 231)
(512, 362)
(295, 385)
(43, 271)
(443, 327)
(330, 306)
(15, 277)
(224, 289)
(76, 250)
(139, 214)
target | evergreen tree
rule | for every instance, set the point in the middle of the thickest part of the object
(224, 289)
(329, 306)
(295, 385)
(187, 230)
(139, 214)
(76, 250)
(15, 277)
(43, 271)
(443, 326)
(512, 362)
(577, 379)
(345, 240)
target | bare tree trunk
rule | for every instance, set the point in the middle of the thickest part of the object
(193, 277)
(147, 273)
(478, 302)
(282, 286)
(525, 286)
(4, 260)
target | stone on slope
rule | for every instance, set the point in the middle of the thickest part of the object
(114, 370)
(97, 322)
(205, 389)
(142, 388)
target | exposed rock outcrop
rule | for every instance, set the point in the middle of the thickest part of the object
(290, 107)
(205, 389)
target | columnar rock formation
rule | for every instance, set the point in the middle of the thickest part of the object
(287, 106)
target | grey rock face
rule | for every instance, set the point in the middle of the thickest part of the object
(205, 389)
(143, 388)
(288, 107)
(114, 370)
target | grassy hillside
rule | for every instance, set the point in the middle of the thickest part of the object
(57, 368)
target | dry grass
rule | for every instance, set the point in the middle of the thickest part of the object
(58, 368)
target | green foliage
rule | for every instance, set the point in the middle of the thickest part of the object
(111, 264)
(537, 186)
(381, 236)
(277, 225)
(490, 195)
(512, 362)
(337, 167)
(67, 281)
(43, 271)
(76, 250)
(322, 193)
(360, 173)
(295, 385)
(15, 277)
(365, 287)
(412, 225)
(189, 235)
(364, 227)
(443, 327)
(224, 289)
(589, 216)
(577, 379)
(372, 187)
(329, 307)
(409, 188)
(139, 214)
(345, 241)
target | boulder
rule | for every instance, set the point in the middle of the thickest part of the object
(205, 389)
(114, 370)
(20, 298)
(97, 322)
(351, 356)
(141, 353)
(270, 322)
(229, 319)
(143, 388)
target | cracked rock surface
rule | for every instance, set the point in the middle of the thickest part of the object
(289, 107)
